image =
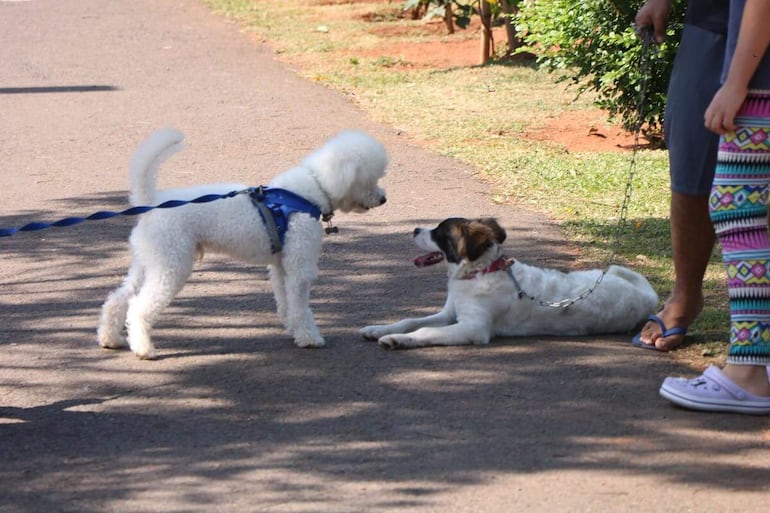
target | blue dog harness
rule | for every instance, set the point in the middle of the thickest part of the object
(275, 206)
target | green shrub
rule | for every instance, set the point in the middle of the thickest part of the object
(593, 45)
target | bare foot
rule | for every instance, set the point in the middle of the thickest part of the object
(675, 314)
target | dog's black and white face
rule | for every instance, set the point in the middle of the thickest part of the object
(457, 240)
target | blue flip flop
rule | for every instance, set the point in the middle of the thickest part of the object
(665, 332)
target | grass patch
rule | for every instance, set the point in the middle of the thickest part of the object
(480, 115)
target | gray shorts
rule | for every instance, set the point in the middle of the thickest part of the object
(695, 78)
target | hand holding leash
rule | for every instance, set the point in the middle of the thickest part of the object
(651, 21)
(647, 35)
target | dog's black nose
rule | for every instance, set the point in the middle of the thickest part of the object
(383, 200)
(416, 232)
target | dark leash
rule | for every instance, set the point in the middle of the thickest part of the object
(133, 211)
(648, 50)
(273, 204)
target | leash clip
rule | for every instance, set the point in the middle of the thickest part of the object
(257, 193)
(327, 218)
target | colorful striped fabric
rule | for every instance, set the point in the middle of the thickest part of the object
(738, 205)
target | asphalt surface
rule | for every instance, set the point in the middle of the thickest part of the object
(233, 417)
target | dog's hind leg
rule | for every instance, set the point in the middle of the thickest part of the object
(278, 283)
(112, 323)
(161, 283)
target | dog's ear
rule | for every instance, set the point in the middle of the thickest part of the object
(496, 228)
(477, 237)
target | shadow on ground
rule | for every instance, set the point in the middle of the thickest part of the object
(233, 404)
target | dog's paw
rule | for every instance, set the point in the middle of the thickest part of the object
(396, 342)
(144, 350)
(149, 355)
(108, 339)
(308, 341)
(372, 332)
(112, 343)
(145, 353)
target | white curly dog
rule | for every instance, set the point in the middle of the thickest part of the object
(341, 175)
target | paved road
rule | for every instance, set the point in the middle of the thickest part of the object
(234, 417)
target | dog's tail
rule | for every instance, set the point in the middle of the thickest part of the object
(641, 283)
(158, 147)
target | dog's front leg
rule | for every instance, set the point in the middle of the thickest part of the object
(299, 316)
(376, 332)
(462, 333)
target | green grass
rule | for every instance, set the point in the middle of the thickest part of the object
(479, 115)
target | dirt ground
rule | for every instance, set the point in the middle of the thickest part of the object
(587, 130)
(233, 417)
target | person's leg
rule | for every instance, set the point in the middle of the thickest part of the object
(692, 240)
(738, 210)
(692, 158)
(746, 254)
(751, 378)
(738, 204)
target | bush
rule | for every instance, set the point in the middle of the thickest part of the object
(592, 44)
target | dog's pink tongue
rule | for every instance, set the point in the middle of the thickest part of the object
(429, 259)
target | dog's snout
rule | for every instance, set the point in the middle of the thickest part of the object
(417, 232)
(383, 199)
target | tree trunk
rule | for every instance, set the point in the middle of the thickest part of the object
(448, 17)
(487, 43)
(510, 28)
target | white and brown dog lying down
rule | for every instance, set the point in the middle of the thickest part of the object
(484, 294)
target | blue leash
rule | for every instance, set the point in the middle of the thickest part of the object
(133, 211)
